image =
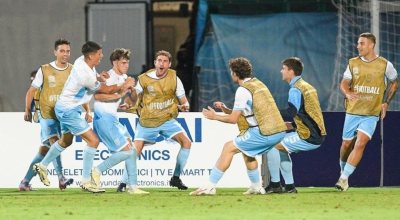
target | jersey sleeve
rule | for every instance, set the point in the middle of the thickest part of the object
(347, 73)
(180, 90)
(38, 81)
(90, 82)
(391, 72)
(295, 97)
(242, 97)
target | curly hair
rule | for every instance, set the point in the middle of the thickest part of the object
(120, 53)
(242, 67)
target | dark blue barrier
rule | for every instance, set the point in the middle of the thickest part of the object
(321, 166)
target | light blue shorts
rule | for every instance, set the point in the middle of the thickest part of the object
(110, 131)
(293, 143)
(354, 123)
(253, 143)
(71, 121)
(49, 128)
(167, 130)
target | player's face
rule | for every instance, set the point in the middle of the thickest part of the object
(162, 64)
(364, 46)
(62, 53)
(96, 57)
(286, 75)
(121, 66)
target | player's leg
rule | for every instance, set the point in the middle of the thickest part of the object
(254, 176)
(130, 179)
(131, 172)
(24, 185)
(274, 162)
(173, 130)
(218, 170)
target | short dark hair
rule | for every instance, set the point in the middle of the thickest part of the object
(369, 36)
(163, 53)
(90, 47)
(61, 41)
(120, 53)
(242, 67)
(295, 64)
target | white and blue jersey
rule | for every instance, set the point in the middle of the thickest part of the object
(79, 89)
(252, 142)
(105, 123)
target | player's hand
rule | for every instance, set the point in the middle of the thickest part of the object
(88, 117)
(219, 105)
(184, 107)
(352, 96)
(28, 115)
(129, 82)
(384, 109)
(209, 113)
(124, 106)
(289, 126)
(103, 76)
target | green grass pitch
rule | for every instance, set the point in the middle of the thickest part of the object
(229, 203)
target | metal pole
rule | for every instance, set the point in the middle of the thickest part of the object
(265, 175)
(382, 161)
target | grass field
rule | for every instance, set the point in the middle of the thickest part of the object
(229, 203)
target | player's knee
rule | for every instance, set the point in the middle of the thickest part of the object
(43, 150)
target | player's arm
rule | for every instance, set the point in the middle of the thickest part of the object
(115, 88)
(394, 85)
(184, 104)
(294, 103)
(109, 97)
(88, 115)
(232, 118)
(28, 100)
(345, 88)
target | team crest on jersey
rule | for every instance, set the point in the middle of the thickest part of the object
(150, 89)
(355, 72)
(52, 81)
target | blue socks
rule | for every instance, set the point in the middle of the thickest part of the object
(54, 152)
(215, 175)
(88, 157)
(30, 174)
(58, 166)
(286, 168)
(181, 161)
(254, 176)
(273, 165)
(113, 160)
(342, 164)
(130, 172)
(348, 170)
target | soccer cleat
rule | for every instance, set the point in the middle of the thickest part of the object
(64, 182)
(42, 174)
(342, 184)
(95, 177)
(137, 191)
(294, 190)
(251, 191)
(24, 186)
(121, 187)
(270, 190)
(90, 186)
(203, 191)
(177, 182)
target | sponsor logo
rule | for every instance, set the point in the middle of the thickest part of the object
(161, 105)
(52, 81)
(366, 89)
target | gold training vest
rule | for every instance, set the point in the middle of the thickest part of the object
(369, 82)
(265, 110)
(158, 103)
(53, 83)
(312, 108)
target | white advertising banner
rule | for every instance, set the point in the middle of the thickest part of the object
(20, 141)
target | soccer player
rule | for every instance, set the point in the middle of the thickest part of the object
(260, 124)
(110, 131)
(158, 92)
(82, 83)
(308, 123)
(363, 84)
(47, 84)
